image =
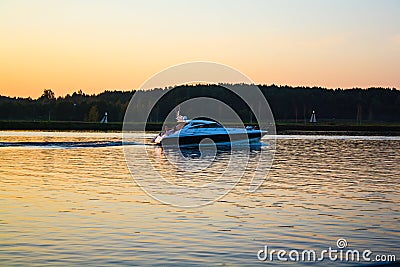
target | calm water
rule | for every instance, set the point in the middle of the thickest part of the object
(68, 199)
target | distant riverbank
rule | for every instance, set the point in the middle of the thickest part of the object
(281, 127)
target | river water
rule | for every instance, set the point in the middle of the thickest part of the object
(68, 199)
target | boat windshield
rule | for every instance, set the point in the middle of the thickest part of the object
(205, 125)
(176, 128)
(180, 126)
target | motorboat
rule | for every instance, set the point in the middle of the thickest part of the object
(206, 131)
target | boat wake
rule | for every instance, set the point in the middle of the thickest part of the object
(86, 144)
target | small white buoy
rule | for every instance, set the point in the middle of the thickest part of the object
(313, 118)
(104, 119)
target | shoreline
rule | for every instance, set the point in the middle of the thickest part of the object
(282, 128)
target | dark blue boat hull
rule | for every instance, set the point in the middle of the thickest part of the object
(217, 139)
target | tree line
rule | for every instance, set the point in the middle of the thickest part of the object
(287, 103)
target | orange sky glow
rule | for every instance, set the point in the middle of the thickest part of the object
(99, 45)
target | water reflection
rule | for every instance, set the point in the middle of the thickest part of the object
(192, 176)
(80, 206)
(206, 152)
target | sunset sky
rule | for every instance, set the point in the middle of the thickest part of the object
(98, 45)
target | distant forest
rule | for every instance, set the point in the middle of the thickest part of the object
(287, 103)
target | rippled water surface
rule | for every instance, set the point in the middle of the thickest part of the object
(68, 199)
